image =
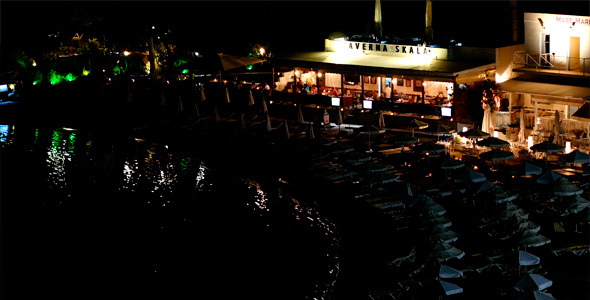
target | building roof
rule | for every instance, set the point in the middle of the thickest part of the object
(529, 85)
(420, 68)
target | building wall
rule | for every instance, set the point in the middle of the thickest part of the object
(504, 62)
(560, 28)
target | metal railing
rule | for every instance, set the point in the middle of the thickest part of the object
(548, 61)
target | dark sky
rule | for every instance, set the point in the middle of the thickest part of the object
(226, 26)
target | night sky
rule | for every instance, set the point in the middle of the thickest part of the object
(230, 26)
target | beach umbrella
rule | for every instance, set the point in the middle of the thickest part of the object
(382, 177)
(229, 62)
(450, 288)
(470, 176)
(450, 163)
(583, 113)
(448, 272)
(369, 129)
(268, 124)
(162, 98)
(197, 113)
(428, 147)
(203, 93)
(547, 147)
(416, 124)
(529, 238)
(381, 119)
(339, 148)
(537, 295)
(432, 220)
(518, 223)
(242, 121)
(429, 207)
(264, 107)
(286, 127)
(310, 133)
(562, 187)
(526, 169)
(443, 251)
(216, 113)
(511, 210)
(527, 259)
(575, 204)
(498, 195)
(493, 142)
(180, 107)
(532, 281)
(557, 128)
(522, 125)
(440, 233)
(549, 177)
(300, 119)
(439, 129)
(339, 120)
(497, 155)
(357, 157)
(484, 186)
(474, 133)
(250, 98)
(371, 167)
(575, 157)
(401, 139)
(226, 96)
(129, 95)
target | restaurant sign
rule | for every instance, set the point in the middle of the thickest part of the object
(385, 49)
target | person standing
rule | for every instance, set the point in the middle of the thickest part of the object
(387, 91)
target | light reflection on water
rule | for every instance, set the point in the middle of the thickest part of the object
(160, 175)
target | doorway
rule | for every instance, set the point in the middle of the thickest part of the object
(574, 52)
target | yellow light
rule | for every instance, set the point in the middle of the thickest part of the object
(421, 117)
(262, 51)
(296, 73)
(126, 53)
(568, 147)
(319, 74)
(34, 63)
(270, 101)
(475, 168)
(451, 119)
(294, 104)
(530, 142)
(317, 106)
(341, 109)
(465, 128)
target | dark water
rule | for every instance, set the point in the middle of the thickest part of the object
(94, 215)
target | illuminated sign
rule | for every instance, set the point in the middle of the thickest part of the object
(385, 49)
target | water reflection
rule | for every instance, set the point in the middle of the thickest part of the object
(59, 155)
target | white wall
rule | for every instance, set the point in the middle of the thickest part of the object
(560, 29)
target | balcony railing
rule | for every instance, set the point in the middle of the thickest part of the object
(547, 61)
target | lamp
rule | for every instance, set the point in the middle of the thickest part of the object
(568, 147)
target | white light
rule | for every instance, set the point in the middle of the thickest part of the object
(568, 147)
(465, 128)
(319, 74)
(495, 134)
(530, 141)
(126, 53)
(262, 51)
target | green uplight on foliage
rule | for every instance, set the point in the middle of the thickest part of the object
(54, 77)
(185, 71)
(70, 77)
(250, 67)
(35, 82)
(180, 62)
(116, 70)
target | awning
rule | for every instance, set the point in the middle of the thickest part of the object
(568, 93)
(419, 68)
